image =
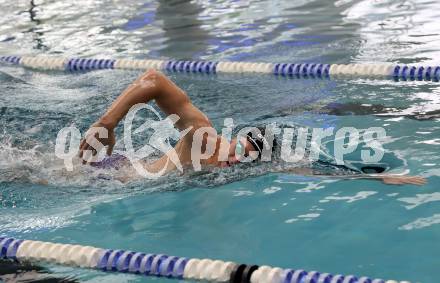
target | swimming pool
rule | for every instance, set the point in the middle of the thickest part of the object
(315, 223)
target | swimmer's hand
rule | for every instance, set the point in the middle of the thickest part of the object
(386, 179)
(403, 180)
(89, 142)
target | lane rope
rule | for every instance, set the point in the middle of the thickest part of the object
(293, 70)
(163, 265)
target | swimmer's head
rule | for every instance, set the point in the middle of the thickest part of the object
(253, 142)
(372, 169)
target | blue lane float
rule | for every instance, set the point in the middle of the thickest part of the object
(413, 73)
(302, 70)
(291, 70)
(78, 64)
(162, 265)
(10, 59)
(191, 66)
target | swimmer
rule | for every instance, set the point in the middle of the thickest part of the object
(153, 85)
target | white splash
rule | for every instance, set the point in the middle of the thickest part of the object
(271, 190)
(309, 215)
(422, 223)
(315, 186)
(240, 193)
(349, 199)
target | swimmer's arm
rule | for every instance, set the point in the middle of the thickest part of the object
(153, 85)
(400, 179)
(388, 179)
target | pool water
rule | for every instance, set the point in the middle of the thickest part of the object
(361, 227)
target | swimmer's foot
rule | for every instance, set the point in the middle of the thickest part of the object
(403, 180)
